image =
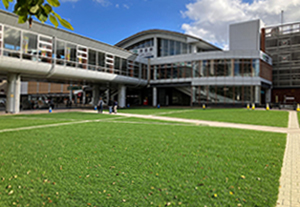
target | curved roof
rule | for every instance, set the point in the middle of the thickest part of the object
(203, 43)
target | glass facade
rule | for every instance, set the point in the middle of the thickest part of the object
(207, 68)
(224, 94)
(167, 47)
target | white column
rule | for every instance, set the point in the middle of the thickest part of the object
(122, 96)
(257, 94)
(268, 95)
(13, 93)
(154, 96)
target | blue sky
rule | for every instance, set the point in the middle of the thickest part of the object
(110, 21)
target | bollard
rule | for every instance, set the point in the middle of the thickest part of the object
(298, 107)
(203, 106)
(267, 107)
(248, 106)
(253, 106)
(158, 106)
(95, 108)
(50, 110)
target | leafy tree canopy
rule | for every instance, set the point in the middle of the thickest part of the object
(41, 9)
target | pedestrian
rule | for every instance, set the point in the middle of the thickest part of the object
(100, 105)
(115, 106)
(110, 105)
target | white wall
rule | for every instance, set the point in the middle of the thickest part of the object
(245, 35)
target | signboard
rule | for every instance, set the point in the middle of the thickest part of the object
(266, 58)
(74, 88)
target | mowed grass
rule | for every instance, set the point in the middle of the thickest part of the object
(124, 164)
(17, 121)
(243, 116)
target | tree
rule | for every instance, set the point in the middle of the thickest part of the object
(42, 10)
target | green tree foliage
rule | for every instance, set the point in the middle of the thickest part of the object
(42, 10)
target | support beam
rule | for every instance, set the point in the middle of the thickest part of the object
(95, 97)
(122, 96)
(154, 96)
(13, 93)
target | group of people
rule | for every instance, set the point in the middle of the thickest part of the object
(112, 106)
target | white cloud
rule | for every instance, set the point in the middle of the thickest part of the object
(103, 2)
(126, 6)
(210, 19)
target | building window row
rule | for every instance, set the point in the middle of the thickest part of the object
(224, 94)
(207, 68)
(142, 44)
(166, 47)
(25, 45)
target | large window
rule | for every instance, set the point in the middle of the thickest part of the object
(101, 59)
(60, 52)
(71, 55)
(12, 40)
(29, 46)
(92, 59)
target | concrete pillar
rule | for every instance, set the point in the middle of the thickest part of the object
(257, 95)
(122, 96)
(13, 93)
(193, 95)
(268, 95)
(107, 96)
(95, 97)
(154, 96)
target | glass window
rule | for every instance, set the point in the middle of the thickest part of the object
(92, 59)
(164, 47)
(136, 69)
(255, 67)
(247, 68)
(124, 66)
(71, 54)
(184, 48)
(247, 94)
(172, 47)
(228, 94)
(219, 67)
(228, 70)
(177, 48)
(212, 94)
(238, 94)
(60, 52)
(220, 94)
(117, 62)
(12, 41)
(101, 59)
(204, 68)
(29, 46)
(237, 68)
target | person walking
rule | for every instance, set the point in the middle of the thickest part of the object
(115, 106)
(100, 105)
(110, 105)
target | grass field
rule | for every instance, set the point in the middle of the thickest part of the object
(244, 116)
(117, 161)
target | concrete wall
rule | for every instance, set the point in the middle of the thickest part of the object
(245, 35)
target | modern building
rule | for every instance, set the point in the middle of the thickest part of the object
(151, 67)
(190, 71)
(282, 43)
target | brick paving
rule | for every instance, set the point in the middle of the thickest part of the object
(289, 190)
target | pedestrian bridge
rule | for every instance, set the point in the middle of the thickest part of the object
(48, 54)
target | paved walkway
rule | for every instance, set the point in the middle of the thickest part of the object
(289, 190)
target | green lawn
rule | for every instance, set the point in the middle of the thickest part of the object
(136, 164)
(244, 116)
(16, 121)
